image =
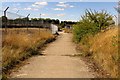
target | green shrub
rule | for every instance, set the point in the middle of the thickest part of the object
(91, 23)
(84, 28)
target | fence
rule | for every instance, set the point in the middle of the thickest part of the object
(19, 21)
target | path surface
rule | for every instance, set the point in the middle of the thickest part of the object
(56, 63)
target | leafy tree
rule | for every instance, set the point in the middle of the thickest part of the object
(91, 23)
(34, 19)
(101, 19)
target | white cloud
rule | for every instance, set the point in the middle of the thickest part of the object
(59, 9)
(41, 3)
(28, 8)
(63, 4)
(44, 14)
(72, 6)
(34, 5)
(35, 9)
(60, 15)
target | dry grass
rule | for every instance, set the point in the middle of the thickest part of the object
(103, 48)
(18, 44)
(68, 30)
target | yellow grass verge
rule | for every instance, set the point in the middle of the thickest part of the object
(103, 48)
(19, 44)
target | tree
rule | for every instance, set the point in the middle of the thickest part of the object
(102, 19)
(92, 22)
(48, 20)
(34, 19)
(57, 21)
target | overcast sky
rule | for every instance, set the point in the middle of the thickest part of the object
(57, 10)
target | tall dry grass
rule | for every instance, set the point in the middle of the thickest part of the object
(19, 44)
(103, 48)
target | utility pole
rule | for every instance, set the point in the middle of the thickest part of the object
(27, 20)
(5, 18)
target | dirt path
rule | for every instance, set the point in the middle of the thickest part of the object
(56, 63)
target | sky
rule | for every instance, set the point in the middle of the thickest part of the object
(69, 11)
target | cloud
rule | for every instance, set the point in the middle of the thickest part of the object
(39, 4)
(59, 9)
(36, 6)
(64, 5)
(33, 5)
(61, 2)
(44, 14)
(60, 15)
(72, 6)
(29, 8)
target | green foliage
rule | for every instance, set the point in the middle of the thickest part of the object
(91, 23)
(47, 20)
(84, 28)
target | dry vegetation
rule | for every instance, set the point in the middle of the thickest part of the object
(67, 30)
(103, 48)
(19, 44)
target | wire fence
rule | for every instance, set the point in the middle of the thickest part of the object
(11, 15)
(15, 20)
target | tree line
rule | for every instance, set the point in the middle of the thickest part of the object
(35, 21)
